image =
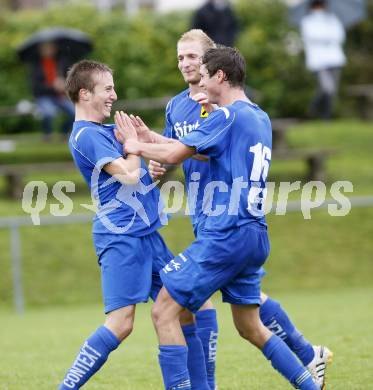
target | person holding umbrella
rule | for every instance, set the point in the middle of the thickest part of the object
(323, 36)
(50, 52)
(48, 87)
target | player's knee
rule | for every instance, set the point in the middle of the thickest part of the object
(163, 314)
(165, 309)
(126, 328)
(246, 332)
(120, 322)
(157, 314)
(122, 330)
(243, 333)
(256, 335)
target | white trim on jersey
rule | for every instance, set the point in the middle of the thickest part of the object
(226, 112)
(216, 135)
(80, 132)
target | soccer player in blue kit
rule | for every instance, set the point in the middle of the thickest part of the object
(183, 115)
(130, 250)
(232, 244)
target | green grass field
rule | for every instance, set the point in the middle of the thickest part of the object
(322, 253)
(38, 347)
(351, 139)
(320, 269)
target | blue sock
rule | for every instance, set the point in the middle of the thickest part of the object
(207, 331)
(284, 361)
(196, 359)
(173, 360)
(92, 355)
(277, 321)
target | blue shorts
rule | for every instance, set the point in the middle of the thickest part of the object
(130, 267)
(229, 261)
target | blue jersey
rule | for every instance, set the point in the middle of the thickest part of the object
(184, 115)
(122, 209)
(238, 140)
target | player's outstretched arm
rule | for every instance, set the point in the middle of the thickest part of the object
(127, 170)
(171, 153)
(147, 135)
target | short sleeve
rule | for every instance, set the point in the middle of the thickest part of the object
(211, 137)
(96, 147)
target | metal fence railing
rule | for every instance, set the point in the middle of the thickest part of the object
(27, 107)
(15, 223)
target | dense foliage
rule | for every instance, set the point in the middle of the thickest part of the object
(141, 49)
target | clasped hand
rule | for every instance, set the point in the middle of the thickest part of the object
(130, 130)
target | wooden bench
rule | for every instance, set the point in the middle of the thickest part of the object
(364, 99)
(280, 127)
(315, 159)
(14, 174)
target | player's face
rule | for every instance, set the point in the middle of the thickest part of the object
(209, 84)
(189, 54)
(103, 95)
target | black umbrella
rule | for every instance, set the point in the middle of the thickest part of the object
(349, 12)
(71, 43)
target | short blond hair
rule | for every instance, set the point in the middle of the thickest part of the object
(198, 35)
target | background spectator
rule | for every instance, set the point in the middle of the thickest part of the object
(48, 87)
(217, 19)
(323, 36)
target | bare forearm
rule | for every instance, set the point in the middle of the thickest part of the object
(133, 162)
(160, 152)
(166, 153)
(161, 139)
(127, 170)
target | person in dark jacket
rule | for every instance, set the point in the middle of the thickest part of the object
(218, 20)
(48, 87)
